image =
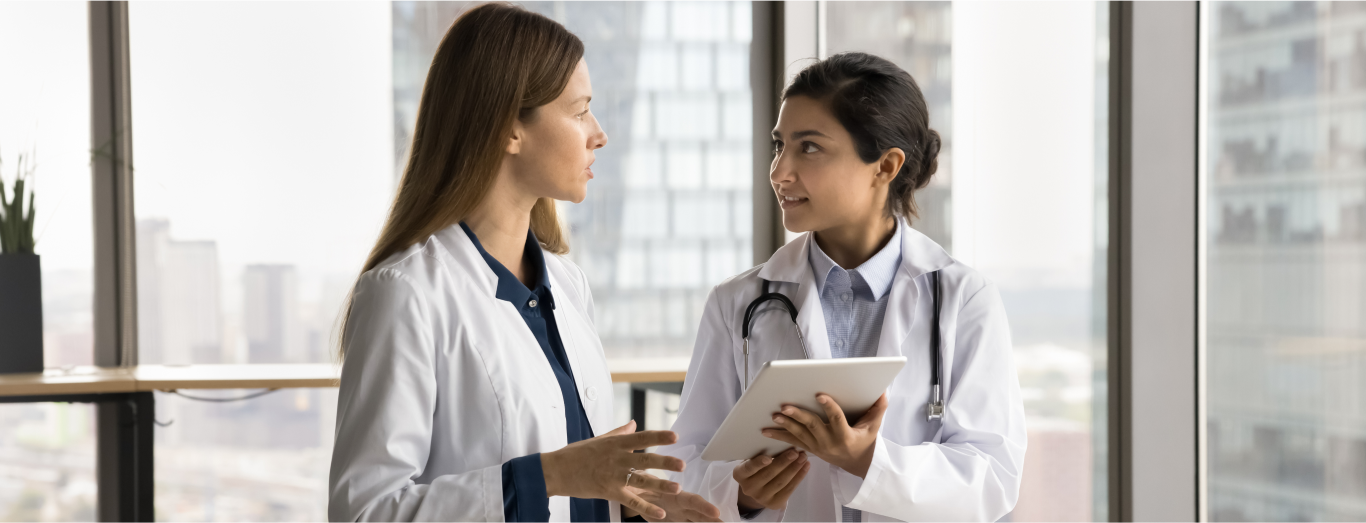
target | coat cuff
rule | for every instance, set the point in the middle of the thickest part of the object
(524, 497)
(853, 492)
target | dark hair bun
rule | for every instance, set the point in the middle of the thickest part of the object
(882, 108)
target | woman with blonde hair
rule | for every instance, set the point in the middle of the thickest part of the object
(474, 386)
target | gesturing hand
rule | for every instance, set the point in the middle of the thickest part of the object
(849, 448)
(767, 482)
(683, 506)
(598, 468)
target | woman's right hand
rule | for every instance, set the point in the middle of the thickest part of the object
(767, 482)
(596, 468)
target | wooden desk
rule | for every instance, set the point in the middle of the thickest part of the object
(146, 378)
(125, 405)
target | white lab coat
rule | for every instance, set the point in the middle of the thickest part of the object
(966, 467)
(443, 383)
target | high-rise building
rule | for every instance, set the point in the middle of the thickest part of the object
(270, 315)
(669, 214)
(1287, 261)
(178, 297)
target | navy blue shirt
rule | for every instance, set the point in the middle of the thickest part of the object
(524, 496)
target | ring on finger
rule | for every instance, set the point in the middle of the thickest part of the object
(629, 474)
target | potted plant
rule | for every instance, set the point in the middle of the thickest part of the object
(21, 283)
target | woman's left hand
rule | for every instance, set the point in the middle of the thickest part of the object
(836, 442)
(683, 506)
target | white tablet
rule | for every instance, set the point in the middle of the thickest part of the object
(854, 383)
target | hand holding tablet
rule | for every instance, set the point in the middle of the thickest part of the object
(854, 384)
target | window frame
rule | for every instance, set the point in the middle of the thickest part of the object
(1155, 282)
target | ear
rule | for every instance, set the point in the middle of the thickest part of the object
(888, 166)
(516, 139)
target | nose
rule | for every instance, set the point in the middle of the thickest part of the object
(598, 139)
(780, 172)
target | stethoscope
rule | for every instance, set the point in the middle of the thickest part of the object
(933, 410)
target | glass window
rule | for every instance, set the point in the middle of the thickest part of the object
(1285, 204)
(45, 118)
(269, 138)
(1019, 94)
(47, 450)
(264, 154)
(668, 215)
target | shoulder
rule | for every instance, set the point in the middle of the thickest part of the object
(743, 284)
(419, 266)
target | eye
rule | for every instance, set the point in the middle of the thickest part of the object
(808, 147)
(777, 147)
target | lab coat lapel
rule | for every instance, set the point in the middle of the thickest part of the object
(470, 266)
(919, 256)
(790, 264)
(586, 359)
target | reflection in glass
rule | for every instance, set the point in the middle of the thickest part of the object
(1286, 287)
(1019, 93)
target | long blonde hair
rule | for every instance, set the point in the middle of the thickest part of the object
(496, 64)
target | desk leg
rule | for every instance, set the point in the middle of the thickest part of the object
(638, 407)
(123, 456)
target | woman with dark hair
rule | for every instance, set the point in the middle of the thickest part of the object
(851, 146)
(474, 386)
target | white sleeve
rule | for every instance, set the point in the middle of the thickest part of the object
(711, 389)
(385, 406)
(974, 474)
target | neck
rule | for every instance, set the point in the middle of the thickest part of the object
(851, 244)
(501, 223)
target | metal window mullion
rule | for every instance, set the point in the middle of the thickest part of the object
(115, 300)
(1156, 372)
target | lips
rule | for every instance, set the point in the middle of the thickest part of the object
(788, 202)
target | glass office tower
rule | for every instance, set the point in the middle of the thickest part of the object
(1286, 243)
(669, 214)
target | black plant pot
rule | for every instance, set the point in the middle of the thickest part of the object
(21, 314)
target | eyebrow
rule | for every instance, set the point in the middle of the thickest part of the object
(583, 99)
(801, 134)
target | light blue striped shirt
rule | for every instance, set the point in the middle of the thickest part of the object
(854, 302)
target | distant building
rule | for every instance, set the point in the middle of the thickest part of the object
(270, 315)
(669, 214)
(178, 297)
(1287, 261)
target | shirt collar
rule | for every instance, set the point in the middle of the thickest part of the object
(878, 272)
(510, 289)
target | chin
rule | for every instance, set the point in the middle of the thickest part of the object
(795, 225)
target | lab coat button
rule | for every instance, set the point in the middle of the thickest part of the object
(531, 304)
(592, 393)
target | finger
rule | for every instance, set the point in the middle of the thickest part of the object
(786, 492)
(647, 481)
(809, 421)
(628, 428)
(780, 462)
(873, 418)
(645, 439)
(833, 412)
(646, 509)
(805, 417)
(655, 461)
(699, 506)
(752, 465)
(798, 429)
(780, 481)
(786, 437)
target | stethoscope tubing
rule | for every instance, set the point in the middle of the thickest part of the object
(933, 410)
